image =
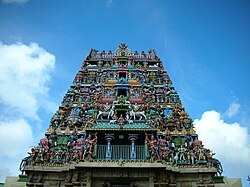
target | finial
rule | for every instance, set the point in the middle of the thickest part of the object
(167, 131)
(75, 131)
(192, 131)
(176, 131)
(50, 129)
(58, 130)
(184, 131)
(67, 130)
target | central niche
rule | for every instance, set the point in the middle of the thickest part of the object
(122, 75)
(122, 91)
(121, 113)
(123, 53)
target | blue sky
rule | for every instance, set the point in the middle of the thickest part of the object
(205, 47)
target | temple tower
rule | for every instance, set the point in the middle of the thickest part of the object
(121, 124)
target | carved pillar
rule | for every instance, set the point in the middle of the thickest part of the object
(172, 180)
(89, 179)
(151, 181)
(68, 178)
(133, 138)
(75, 177)
(109, 138)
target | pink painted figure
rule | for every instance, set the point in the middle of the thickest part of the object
(44, 142)
(89, 146)
(80, 143)
(152, 146)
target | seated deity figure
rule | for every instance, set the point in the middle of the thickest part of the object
(107, 94)
(107, 106)
(90, 122)
(136, 107)
(62, 142)
(136, 93)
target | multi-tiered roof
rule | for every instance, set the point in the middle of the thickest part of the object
(121, 106)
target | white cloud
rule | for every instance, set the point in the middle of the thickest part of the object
(15, 1)
(24, 77)
(230, 142)
(16, 137)
(233, 109)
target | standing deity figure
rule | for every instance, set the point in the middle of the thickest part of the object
(162, 149)
(67, 157)
(192, 156)
(202, 153)
(182, 154)
(52, 139)
(89, 146)
(188, 140)
(80, 143)
(151, 147)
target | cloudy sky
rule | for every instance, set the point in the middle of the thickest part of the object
(205, 47)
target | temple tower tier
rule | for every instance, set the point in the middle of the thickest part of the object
(121, 123)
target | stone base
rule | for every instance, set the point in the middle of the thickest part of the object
(114, 174)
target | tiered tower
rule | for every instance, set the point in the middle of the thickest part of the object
(120, 124)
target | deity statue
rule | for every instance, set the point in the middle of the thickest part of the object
(80, 143)
(90, 122)
(136, 107)
(107, 106)
(62, 142)
(182, 154)
(89, 146)
(121, 121)
(151, 147)
(163, 150)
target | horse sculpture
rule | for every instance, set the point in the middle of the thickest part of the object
(105, 113)
(140, 114)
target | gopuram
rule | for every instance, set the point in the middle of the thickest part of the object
(121, 124)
